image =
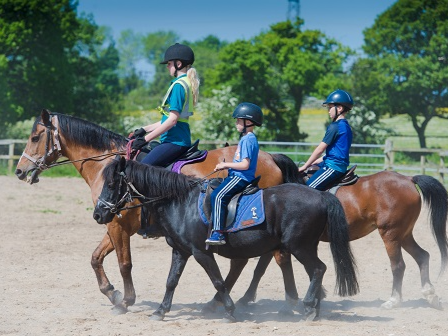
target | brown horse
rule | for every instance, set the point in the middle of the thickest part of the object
(90, 148)
(390, 203)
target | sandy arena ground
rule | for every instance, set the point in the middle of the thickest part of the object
(49, 288)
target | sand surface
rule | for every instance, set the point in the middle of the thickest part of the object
(49, 288)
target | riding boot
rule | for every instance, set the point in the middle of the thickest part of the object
(147, 229)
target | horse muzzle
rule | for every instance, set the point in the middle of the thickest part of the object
(102, 215)
(31, 174)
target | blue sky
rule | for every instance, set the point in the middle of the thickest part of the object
(229, 20)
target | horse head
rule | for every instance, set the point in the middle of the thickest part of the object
(42, 149)
(115, 192)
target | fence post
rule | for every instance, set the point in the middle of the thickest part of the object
(389, 155)
(11, 156)
(422, 164)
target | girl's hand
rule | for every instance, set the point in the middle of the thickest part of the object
(220, 166)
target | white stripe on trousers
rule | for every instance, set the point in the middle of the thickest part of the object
(218, 202)
(322, 178)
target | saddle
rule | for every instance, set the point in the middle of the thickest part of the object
(193, 154)
(347, 179)
(232, 207)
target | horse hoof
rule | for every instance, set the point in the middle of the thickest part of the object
(119, 310)
(286, 311)
(156, 317)
(391, 304)
(229, 319)
(117, 298)
(210, 307)
(311, 314)
(245, 301)
(434, 301)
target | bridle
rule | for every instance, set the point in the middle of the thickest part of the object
(53, 144)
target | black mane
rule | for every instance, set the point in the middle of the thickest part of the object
(153, 181)
(86, 133)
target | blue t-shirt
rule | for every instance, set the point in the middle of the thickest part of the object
(180, 133)
(338, 137)
(247, 148)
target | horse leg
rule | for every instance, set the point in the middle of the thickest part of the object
(422, 259)
(178, 262)
(259, 271)
(315, 269)
(208, 262)
(398, 266)
(121, 241)
(103, 249)
(283, 259)
(236, 267)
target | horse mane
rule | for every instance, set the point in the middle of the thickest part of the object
(153, 181)
(86, 133)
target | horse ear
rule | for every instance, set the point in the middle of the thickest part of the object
(122, 164)
(45, 116)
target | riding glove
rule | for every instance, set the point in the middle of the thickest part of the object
(139, 132)
(138, 143)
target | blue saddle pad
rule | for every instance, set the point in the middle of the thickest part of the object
(250, 211)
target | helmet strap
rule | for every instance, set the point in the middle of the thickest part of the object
(177, 68)
(337, 113)
(244, 131)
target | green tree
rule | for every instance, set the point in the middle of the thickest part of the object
(406, 68)
(278, 69)
(51, 58)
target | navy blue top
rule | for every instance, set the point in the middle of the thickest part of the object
(338, 137)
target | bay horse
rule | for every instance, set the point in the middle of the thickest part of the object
(89, 147)
(390, 203)
(295, 218)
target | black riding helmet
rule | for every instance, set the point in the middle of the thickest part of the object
(179, 52)
(250, 112)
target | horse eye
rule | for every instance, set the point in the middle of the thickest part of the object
(35, 138)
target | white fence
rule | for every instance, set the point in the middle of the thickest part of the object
(368, 158)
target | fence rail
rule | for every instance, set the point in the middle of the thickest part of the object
(368, 158)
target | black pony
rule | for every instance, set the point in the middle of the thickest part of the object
(296, 217)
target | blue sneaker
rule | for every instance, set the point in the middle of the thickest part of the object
(216, 238)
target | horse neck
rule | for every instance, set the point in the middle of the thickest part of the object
(90, 170)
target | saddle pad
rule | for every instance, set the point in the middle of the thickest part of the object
(250, 211)
(177, 166)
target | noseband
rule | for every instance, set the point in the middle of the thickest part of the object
(52, 144)
(127, 197)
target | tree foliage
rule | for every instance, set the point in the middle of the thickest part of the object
(278, 69)
(51, 58)
(406, 68)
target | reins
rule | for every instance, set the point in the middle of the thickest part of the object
(52, 145)
(63, 162)
(146, 200)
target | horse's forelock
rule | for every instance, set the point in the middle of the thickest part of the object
(109, 170)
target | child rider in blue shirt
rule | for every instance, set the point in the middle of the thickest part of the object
(241, 171)
(336, 143)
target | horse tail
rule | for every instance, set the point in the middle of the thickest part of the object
(343, 259)
(288, 168)
(435, 197)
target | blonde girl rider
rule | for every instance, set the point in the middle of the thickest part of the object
(176, 108)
